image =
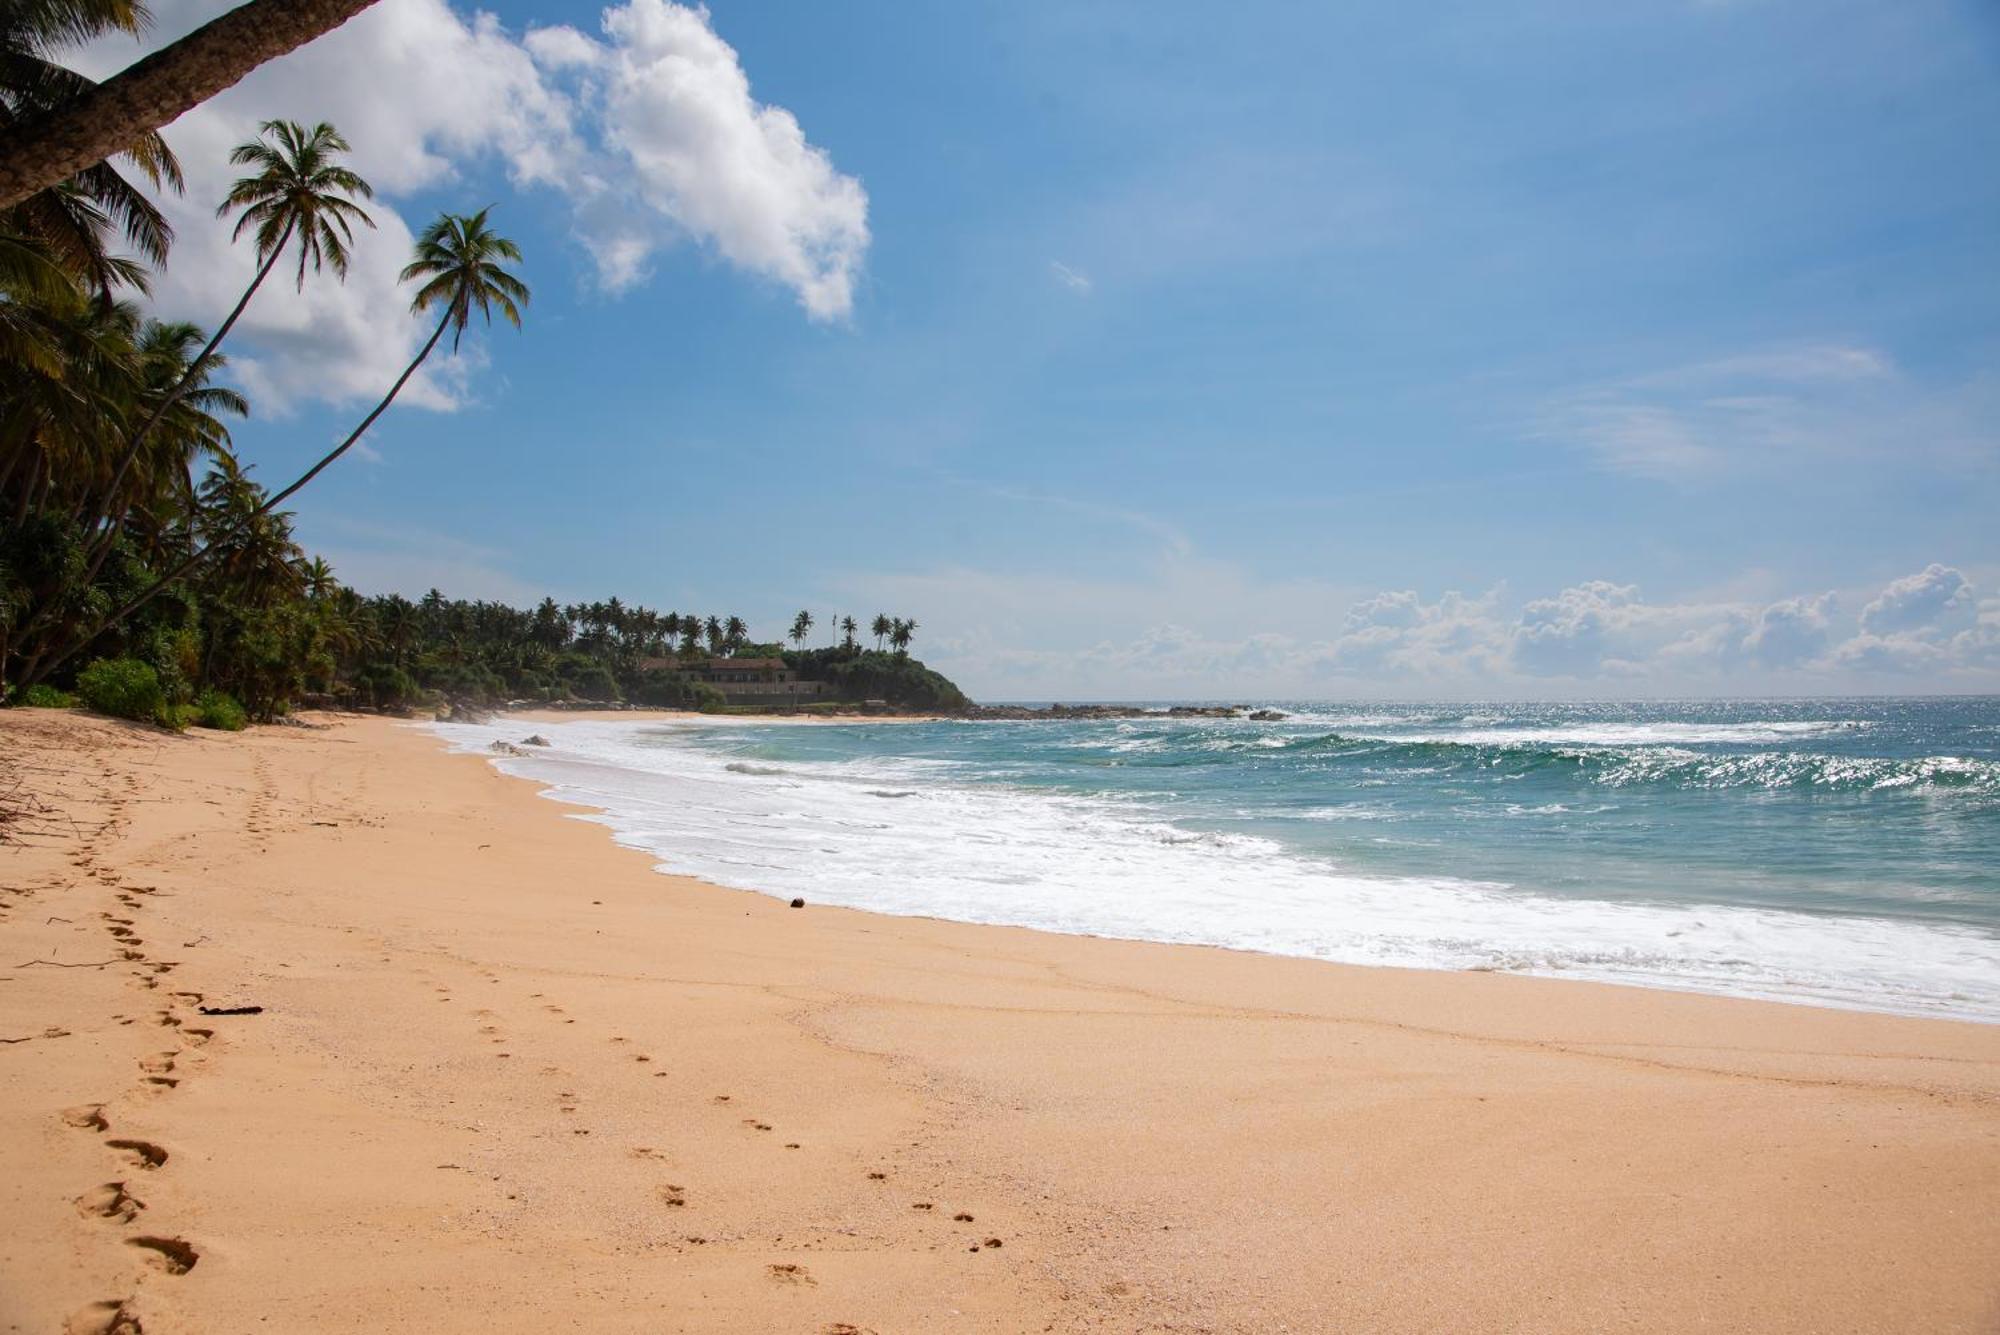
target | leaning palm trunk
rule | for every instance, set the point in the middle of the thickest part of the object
(109, 118)
(109, 510)
(42, 667)
(189, 379)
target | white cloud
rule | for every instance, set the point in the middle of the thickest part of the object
(1073, 279)
(1197, 629)
(1791, 632)
(424, 93)
(1936, 597)
(685, 148)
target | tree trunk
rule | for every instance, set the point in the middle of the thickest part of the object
(156, 89)
(41, 670)
(187, 379)
(109, 538)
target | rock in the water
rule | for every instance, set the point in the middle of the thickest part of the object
(534, 739)
(798, 903)
(506, 749)
(1269, 716)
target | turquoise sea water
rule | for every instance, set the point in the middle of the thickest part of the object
(1838, 851)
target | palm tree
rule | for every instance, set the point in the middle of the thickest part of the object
(101, 120)
(459, 260)
(299, 190)
(802, 625)
(69, 216)
(899, 635)
(880, 627)
(734, 632)
(713, 628)
(847, 629)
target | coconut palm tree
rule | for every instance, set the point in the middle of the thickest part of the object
(880, 628)
(460, 262)
(298, 191)
(97, 121)
(802, 625)
(735, 632)
(70, 216)
(847, 629)
(900, 632)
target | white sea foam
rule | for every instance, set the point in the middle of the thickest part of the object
(1628, 734)
(897, 836)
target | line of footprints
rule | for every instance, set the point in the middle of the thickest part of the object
(672, 1194)
(115, 1202)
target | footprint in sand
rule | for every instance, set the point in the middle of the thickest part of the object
(110, 1201)
(787, 1273)
(197, 1036)
(86, 1117)
(753, 1122)
(171, 1256)
(139, 1153)
(159, 1063)
(672, 1195)
(110, 1317)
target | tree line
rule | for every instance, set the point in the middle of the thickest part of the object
(129, 528)
(140, 560)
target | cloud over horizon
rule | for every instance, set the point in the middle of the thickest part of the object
(1595, 637)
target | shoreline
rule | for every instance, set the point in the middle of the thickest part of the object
(1832, 992)
(1431, 1149)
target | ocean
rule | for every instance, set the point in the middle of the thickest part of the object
(1837, 852)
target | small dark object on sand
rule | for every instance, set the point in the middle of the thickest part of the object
(798, 903)
(231, 1010)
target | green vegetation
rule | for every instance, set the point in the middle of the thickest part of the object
(138, 560)
(48, 697)
(123, 688)
(217, 709)
(130, 533)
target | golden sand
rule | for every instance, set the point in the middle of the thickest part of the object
(508, 1078)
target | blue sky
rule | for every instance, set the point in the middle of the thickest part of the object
(1162, 350)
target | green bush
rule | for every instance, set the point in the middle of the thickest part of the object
(217, 709)
(385, 686)
(43, 696)
(593, 683)
(123, 688)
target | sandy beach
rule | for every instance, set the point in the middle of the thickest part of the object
(508, 1077)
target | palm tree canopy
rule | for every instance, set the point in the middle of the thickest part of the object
(458, 260)
(73, 217)
(299, 190)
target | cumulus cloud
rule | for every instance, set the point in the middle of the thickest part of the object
(1592, 637)
(685, 149)
(649, 134)
(1936, 596)
(1790, 632)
